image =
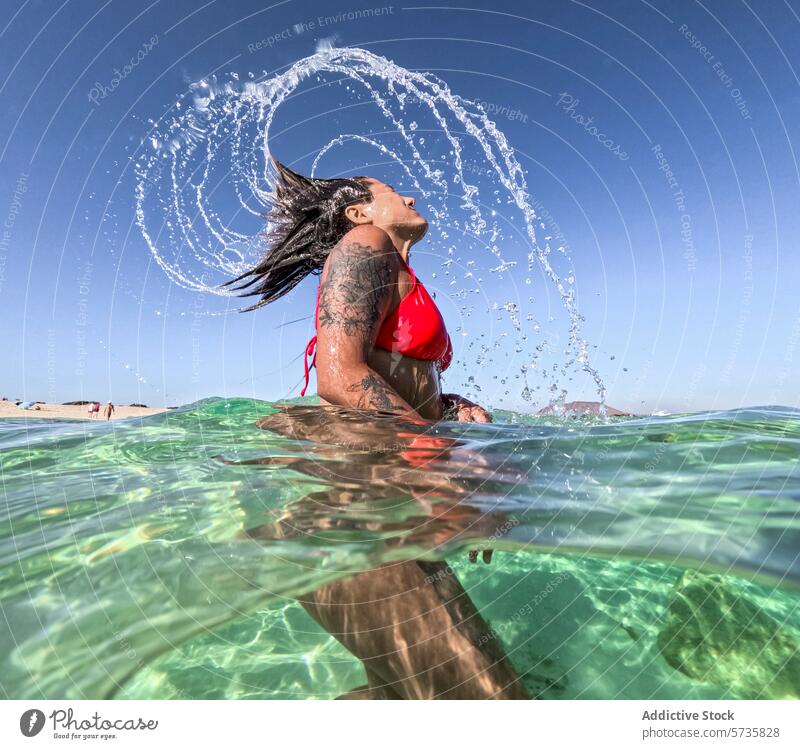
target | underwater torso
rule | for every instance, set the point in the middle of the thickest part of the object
(411, 349)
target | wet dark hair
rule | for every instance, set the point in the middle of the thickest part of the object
(304, 223)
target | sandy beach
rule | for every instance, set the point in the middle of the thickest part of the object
(8, 410)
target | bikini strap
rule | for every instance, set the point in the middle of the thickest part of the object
(310, 349)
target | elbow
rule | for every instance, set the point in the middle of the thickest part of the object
(325, 388)
(330, 388)
(326, 393)
(333, 386)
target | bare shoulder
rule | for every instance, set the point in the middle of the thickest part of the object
(358, 284)
(365, 250)
(368, 234)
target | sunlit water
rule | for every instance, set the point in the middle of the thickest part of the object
(160, 557)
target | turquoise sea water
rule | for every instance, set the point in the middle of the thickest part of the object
(160, 557)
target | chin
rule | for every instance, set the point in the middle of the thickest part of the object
(420, 229)
(415, 229)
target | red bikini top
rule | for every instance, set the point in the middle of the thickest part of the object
(415, 329)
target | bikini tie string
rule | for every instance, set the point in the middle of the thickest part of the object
(310, 349)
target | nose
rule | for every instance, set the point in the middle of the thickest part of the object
(411, 201)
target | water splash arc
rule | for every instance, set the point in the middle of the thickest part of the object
(224, 137)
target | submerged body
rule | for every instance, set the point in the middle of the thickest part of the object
(418, 634)
(381, 346)
(412, 624)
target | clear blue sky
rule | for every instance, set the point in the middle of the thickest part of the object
(705, 319)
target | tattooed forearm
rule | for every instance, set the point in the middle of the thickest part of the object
(372, 392)
(355, 289)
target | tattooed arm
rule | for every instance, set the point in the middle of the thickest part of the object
(355, 297)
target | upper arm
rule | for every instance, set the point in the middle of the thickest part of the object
(355, 297)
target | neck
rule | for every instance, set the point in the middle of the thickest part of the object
(401, 244)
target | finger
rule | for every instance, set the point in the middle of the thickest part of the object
(478, 414)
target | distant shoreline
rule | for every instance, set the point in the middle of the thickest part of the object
(8, 410)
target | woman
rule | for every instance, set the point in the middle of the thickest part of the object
(381, 345)
(358, 233)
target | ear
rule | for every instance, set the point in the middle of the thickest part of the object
(355, 212)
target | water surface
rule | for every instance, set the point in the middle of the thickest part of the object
(160, 557)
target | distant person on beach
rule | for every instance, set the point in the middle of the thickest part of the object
(94, 411)
(109, 409)
(381, 346)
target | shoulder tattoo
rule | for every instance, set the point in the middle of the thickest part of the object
(353, 294)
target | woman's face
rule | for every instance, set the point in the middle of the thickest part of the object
(394, 212)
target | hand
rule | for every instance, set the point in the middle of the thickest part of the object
(459, 408)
